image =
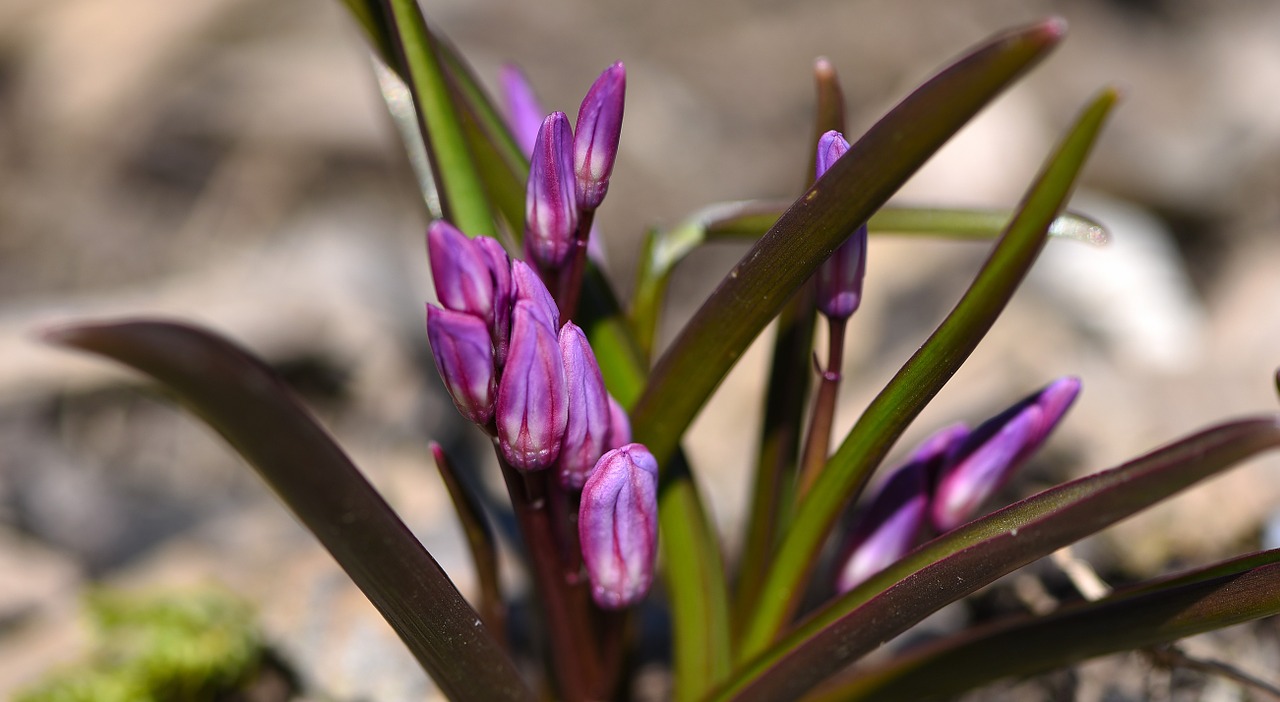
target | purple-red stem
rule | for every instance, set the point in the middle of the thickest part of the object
(569, 286)
(818, 440)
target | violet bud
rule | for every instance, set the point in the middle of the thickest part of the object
(839, 278)
(995, 450)
(589, 421)
(464, 356)
(619, 425)
(551, 210)
(527, 286)
(595, 144)
(618, 526)
(499, 264)
(532, 407)
(460, 270)
(524, 114)
(890, 523)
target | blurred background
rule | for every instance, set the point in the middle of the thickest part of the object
(232, 162)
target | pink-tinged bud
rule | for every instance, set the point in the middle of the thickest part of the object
(588, 428)
(527, 286)
(618, 526)
(839, 278)
(460, 270)
(892, 520)
(551, 209)
(499, 264)
(464, 356)
(524, 113)
(595, 144)
(995, 450)
(619, 425)
(533, 402)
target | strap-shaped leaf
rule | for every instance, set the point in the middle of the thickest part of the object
(855, 187)
(253, 409)
(959, 562)
(920, 378)
(1221, 595)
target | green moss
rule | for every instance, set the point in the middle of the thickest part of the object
(165, 647)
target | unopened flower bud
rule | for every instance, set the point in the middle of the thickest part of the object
(464, 356)
(460, 271)
(551, 210)
(524, 114)
(527, 286)
(892, 520)
(619, 425)
(500, 267)
(595, 144)
(532, 407)
(588, 428)
(991, 454)
(618, 526)
(839, 278)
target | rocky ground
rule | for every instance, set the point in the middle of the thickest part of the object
(232, 163)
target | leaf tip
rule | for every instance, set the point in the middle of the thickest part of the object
(1051, 30)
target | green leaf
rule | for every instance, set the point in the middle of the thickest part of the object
(961, 561)
(1154, 613)
(921, 378)
(253, 409)
(855, 187)
(462, 194)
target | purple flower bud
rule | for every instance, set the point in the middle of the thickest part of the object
(595, 145)
(588, 428)
(839, 278)
(991, 454)
(619, 425)
(464, 356)
(533, 403)
(618, 526)
(551, 209)
(460, 270)
(527, 286)
(500, 268)
(891, 522)
(524, 114)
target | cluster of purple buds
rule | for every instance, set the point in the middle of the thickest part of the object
(839, 279)
(569, 169)
(947, 479)
(534, 384)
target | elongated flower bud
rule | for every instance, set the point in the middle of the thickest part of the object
(892, 520)
(618, 526)
(460, 270)
(995, 450)
(839, 278)
(527, 286)
(619, 425)
(532, 407)
(524, 114)
(595, 143)
(588, 428)
(551, 210)
(499, 264)
(463, 354)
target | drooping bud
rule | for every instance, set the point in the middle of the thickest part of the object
(892, 520)
(618, 526)
(588, 428)
(551, 210)
(527, 286)
(839, 278)
(991, 454)
(500, 267)
(595, 145)
(460, 271)
(532, 407)
(619, 425)
(524, 114)
(464, 356)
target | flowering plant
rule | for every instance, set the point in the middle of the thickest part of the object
(543, 358)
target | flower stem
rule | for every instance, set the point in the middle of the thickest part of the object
(570, 280)
(818, 441)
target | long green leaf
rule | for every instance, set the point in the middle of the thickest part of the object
(855, 187)
(961, 561)
(1159, 612)
(253, 409)
(462, 193)
(921, 378)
